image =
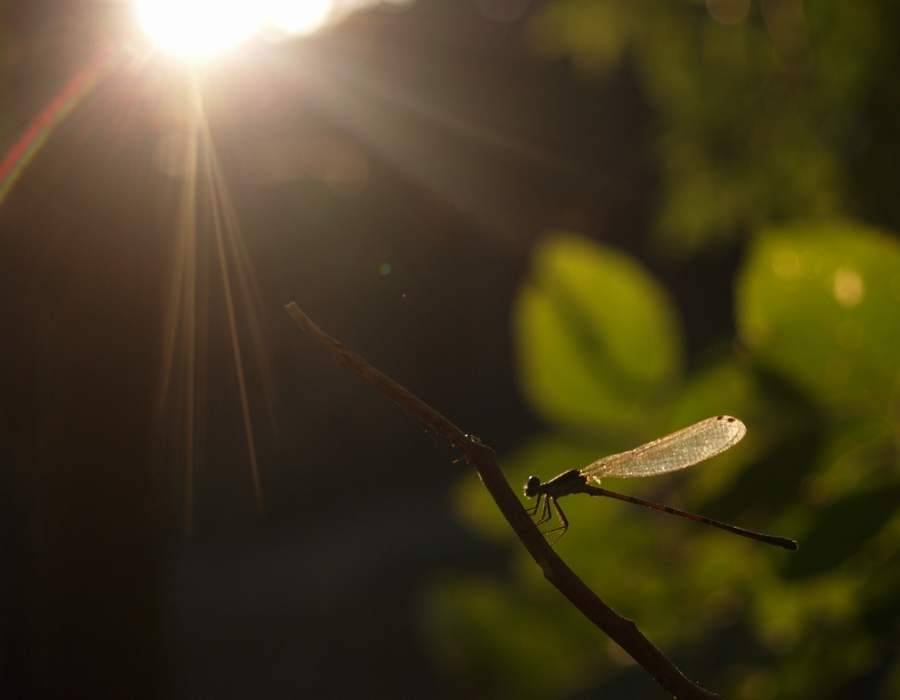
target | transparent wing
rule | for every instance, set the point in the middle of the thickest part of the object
(676, 451)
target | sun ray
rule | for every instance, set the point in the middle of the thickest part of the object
(221, 228)
(375, 113)
(181, 321)
(247, 289)
(184, 332)
(236, 352)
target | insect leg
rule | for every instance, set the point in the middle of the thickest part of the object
(563, 527)
(546, 513)
(537, 504)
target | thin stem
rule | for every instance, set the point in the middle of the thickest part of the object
(621, 630)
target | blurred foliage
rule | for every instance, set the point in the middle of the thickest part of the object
(769, 113)
(766, 109)
(566, 314)
(806, 288)
(815, 377)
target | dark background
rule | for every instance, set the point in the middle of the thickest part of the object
(318, 593)
(433, 139)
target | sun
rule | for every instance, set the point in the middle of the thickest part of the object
(292, 17)
(202, 29)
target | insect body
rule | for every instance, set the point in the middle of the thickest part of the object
(670, 453)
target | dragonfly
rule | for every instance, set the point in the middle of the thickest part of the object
(679, 450)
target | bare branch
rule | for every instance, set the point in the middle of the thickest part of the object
(621, 630)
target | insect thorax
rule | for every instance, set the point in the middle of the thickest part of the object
(570, 481)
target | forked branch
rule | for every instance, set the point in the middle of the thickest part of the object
(620, 629)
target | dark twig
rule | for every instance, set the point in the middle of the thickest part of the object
(621, 630)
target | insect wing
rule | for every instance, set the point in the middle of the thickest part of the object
(672, 452)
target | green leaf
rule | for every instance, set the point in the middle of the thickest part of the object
(819, 304)
(598, 340)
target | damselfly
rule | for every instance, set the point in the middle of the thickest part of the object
(670, 453)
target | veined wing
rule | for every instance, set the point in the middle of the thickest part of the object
(681, 449)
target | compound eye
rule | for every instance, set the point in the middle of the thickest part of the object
(531, 486)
